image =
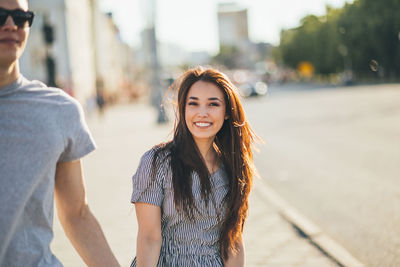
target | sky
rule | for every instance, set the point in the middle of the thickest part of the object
(192, 24)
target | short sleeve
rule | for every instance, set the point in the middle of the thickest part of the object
(78, 140)
(148, 189)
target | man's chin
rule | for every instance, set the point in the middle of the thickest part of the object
(8, 60)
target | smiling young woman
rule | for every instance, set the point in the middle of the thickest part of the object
(191, 193)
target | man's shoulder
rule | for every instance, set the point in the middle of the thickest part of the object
(37, 86)
(40, 90)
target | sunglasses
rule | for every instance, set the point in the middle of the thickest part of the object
(20, 17)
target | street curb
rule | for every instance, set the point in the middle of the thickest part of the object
(311, 231)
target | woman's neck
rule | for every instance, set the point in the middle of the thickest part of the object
(208, 154)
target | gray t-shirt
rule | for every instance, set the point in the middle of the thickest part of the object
(39, 127)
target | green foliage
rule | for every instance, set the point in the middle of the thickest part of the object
(372, 31)
(227, 57)
(316, 41)
(348, 38)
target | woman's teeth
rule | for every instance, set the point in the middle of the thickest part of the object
(203, 124)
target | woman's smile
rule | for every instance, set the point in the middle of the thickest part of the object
(202, 124)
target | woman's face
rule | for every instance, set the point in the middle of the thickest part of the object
(204, 111)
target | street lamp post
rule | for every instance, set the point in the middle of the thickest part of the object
(155, 68)
(48, 36)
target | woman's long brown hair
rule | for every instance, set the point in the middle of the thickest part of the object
(233, 146)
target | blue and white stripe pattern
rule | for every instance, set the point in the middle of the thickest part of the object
(184, 242)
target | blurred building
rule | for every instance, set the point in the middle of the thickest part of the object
(234, 35)
(74, 46)
(199, 58)
(232, 25)
(114, 59)
(234, 41)
(172, 55)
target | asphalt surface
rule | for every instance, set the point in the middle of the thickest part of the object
(334, 154)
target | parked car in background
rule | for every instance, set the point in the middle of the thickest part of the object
(253, 89)
(249, 82)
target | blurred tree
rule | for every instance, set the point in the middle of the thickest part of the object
(315, 41)
(371, 34)
(363, 37)
(328, 59)
(227, 56)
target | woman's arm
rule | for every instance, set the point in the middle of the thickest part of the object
(237, 260)
(149, 234)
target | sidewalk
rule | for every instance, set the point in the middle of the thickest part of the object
(122, 136)
(272, 241)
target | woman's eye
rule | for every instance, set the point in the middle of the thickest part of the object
(214, 104)
(192, 104)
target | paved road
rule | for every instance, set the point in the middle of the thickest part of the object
(335, 155)
(122, 136)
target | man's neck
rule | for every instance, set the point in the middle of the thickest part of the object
(9, 74)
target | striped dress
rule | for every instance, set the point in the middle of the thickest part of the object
(184, 242)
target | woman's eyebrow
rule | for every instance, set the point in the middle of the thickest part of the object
(210, 98)
(215, 98)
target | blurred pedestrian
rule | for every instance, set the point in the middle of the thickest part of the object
(100, 101)
(42, 138)
(191, 193)
(100, 98)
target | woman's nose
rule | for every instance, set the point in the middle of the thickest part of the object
(203, 111)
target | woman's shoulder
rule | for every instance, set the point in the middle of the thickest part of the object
(160, 151)
(151, 163)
